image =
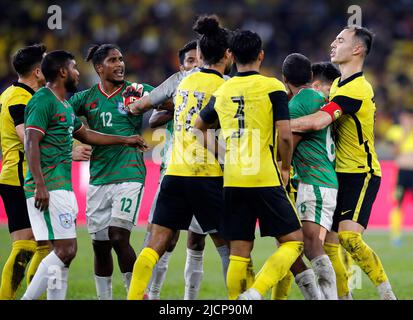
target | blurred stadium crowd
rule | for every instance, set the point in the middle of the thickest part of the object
(150, 32)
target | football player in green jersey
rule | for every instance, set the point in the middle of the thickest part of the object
(117, 173)
(314, 167)
(50, 124)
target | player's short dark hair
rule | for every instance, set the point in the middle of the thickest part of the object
(326, 72)
(98, 52)
(191, 45)
(364, 35)
(25, 59)
(53, 62)
(297, 69)
(214, 40)
(245, 45)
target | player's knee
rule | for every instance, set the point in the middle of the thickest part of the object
(196, 241)
(66, 253)
(173, 242)
(313, 245)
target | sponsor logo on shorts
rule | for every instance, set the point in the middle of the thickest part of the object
(303, 208)
(345, 212)
(66, 220)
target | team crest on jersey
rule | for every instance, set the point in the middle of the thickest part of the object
(66, 220)
(337, 114)
(121, 108)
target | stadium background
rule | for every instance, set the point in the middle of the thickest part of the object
(150, 32)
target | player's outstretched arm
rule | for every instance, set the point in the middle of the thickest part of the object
(140, 106)
(100, 139)
(32, 148)
(285, 147)
(159, 118)
(313, 122)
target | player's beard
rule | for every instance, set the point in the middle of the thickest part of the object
(70, 84)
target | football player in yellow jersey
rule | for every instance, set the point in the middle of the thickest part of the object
(26, 63)
(251, 110)
(352, 108)
(402, 137)
(193, 178)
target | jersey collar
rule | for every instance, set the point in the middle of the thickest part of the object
(246, 73)
(211, 71)
(24, 86)
(114, 93)
(351, 78)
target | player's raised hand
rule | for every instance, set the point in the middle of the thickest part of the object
(41, 197)
(82, 153)
(136, 141)
(132, 94)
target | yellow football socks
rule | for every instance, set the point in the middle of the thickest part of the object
(282, 289)
(250, 274)
(333, 252)
(15, 267)
(237, 276)
(363, 255)
(142, 272)
(41, 252)
(277, 266)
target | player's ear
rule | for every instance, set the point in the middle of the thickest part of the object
(63, 72)
(358, 49)
(99, 68)
(316, 85)
(261, 56)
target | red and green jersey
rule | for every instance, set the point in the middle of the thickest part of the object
(56, 120)
(106, 114)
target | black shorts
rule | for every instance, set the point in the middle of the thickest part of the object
(180, 198)
(270, 205)
(355, 198)
(404, 183)
(14, 201)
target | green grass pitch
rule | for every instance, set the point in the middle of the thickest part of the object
(397, 262)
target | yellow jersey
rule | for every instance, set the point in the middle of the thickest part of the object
(248, 105)
(353, 109)
(13, 102)
(189, 157)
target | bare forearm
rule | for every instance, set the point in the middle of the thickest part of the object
(95, 138)
(285, 147)
(33, 159)
(141, 106)
(159, 118)
(313, 122)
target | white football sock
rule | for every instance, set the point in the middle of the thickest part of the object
(104, 287)
(126, 277)
(385, 291)
(158, 276)
(57, 284)
(224, 254)
(326, 277)
(193, 273)
(47, 268)
(307, 284)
